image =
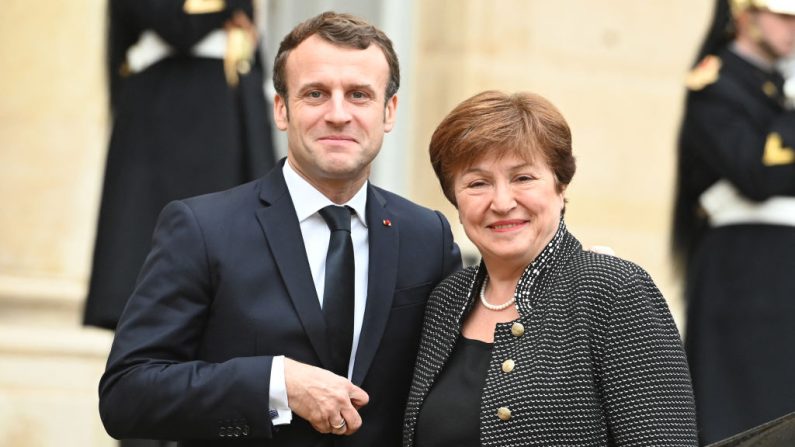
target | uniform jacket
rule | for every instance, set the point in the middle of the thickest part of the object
(598, 360)
(736, 128)
(227, 286)
(179, 130)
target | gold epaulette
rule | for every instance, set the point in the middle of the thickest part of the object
(705, 73)
(203, 6)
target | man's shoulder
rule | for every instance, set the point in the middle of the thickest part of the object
(400, 205)
(245, 195)
(729, 79)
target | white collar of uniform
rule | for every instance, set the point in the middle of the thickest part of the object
(307, 200)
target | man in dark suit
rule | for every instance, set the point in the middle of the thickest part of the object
(226, 339)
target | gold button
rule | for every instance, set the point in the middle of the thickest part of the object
(504, 413)
(507, 366)
(770, 89)
(517, 329)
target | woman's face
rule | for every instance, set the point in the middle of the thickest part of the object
(510, 208)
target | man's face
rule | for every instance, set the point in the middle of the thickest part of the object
(335, 114)
(777, 32)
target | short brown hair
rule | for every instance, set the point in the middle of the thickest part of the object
(493, 122)
(339, 29)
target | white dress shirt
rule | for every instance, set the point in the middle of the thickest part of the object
(307, 202)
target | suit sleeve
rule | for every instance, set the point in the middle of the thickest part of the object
(647, 394)
(451, 253)
(729, 139)
(154, 386)
(169, 19)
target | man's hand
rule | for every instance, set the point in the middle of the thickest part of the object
(328, 401)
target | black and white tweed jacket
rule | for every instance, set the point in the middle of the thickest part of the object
(598, 362)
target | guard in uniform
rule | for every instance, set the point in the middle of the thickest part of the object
(189, 117)
(734, 223)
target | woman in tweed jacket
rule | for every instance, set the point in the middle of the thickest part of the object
(543, 343)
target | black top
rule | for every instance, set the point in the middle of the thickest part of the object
(451, 412)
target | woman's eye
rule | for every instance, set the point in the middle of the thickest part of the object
(476, 184)
(524, 178)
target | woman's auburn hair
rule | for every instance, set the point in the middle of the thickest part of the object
(496, 123)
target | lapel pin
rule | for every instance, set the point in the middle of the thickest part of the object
(387, 222)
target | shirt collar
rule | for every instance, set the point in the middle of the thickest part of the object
(307, 200)
(752, 59)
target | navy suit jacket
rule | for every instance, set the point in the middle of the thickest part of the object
(227, 286)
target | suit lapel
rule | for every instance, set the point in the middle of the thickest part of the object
(283, 234)
(383, 264)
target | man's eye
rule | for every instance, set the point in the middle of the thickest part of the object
(314, 95)
(359, 95)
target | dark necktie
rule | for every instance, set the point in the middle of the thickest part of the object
(338, 295)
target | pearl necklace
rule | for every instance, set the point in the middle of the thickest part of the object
(490, 306)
